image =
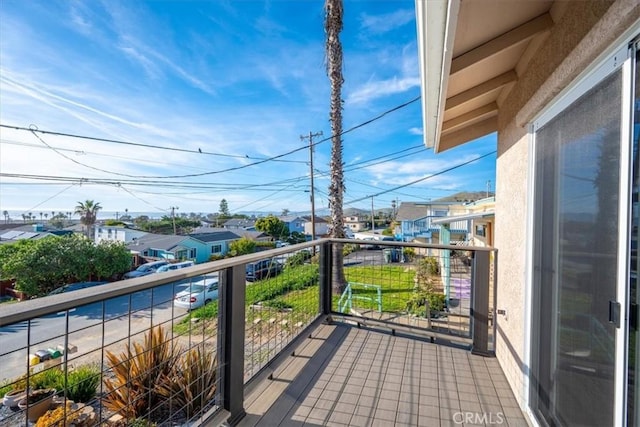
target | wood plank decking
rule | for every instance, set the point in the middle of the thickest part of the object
(345, 376)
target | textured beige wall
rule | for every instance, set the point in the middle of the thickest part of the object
(510, 239)
(578, 38)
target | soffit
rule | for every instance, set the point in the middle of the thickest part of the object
(492, 43)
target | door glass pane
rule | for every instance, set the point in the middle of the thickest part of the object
(576, 230)
(634, 302)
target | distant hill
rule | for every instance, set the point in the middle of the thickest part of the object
(355, 212)
(466, 196)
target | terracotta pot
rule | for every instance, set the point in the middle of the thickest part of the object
(12, 397)
(40, 402)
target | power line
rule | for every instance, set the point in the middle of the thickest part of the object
(378, 117)
(34, 128)
(93, 153)
(55, 195)
(423, 179)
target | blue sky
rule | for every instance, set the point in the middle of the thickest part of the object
(240, 81)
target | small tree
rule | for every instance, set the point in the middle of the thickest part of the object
(224, 208)
(88, 211)
(273, 226)
(242, 246)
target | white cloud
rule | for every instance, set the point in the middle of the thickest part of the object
(380, 88)
(404, 78)
(416, 131)
(380, 24)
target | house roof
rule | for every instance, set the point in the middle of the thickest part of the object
(156, 241)
(289, 218)
(318, 219)
(214, 236)
(250, 234)
(471, 54)
(240, 222)
(409, 211)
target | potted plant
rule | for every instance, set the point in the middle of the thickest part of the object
(37, 402)
(12, 397)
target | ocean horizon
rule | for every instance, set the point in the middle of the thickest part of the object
(16, 215)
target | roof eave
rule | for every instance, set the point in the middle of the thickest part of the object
(436, 23)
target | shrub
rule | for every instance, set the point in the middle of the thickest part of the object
(297, 259)
(349, 248)
(427, 271)
(193, 382)
(416, 305)
(409, 253)
(277, 304)
(82, 383)
(137, 374)
(216, 257)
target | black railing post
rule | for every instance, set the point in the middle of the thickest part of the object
(480, 303)
(325, 278)
(231, 330)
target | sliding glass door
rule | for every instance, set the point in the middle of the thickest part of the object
(576, 258)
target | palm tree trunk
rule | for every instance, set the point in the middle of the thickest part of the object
(333, 27)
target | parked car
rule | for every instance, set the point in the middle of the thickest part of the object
(198, 293)
(75, 286)
(176, 266)
(145, 269)
(263, 269)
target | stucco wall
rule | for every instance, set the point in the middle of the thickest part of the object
(580, 35)
(510, 239)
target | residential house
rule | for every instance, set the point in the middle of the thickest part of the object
(216, 239)
(295, 224)
(321, 226)
(558, 81)
(240, 224)
(170, 247)
(479, 218)
(116, 233)
(355, 223)
(416, 221)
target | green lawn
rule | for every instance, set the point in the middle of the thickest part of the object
(396, 285)
(296, 291)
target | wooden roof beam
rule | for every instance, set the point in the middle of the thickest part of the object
(468, 133)
(483, 88)
(501, 43)
(468, 119)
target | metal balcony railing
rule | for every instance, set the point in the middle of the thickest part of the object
(131, 350)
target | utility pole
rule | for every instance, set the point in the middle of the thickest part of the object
(313, 203)
(173, 217)
(488, 187)
(373, 216)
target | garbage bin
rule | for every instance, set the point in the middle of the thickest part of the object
(395, 255)
(387, 255)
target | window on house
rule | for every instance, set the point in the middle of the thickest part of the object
(216, 249)
(192, 253)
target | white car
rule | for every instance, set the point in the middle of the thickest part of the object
(197, 294)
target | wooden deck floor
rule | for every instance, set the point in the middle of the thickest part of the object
(343, 375)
